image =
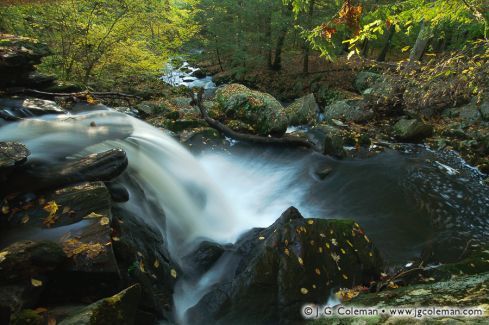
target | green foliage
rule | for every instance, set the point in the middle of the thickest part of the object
(104, 40)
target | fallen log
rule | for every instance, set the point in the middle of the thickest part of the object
(84, 95)
(103, 166)
(284, 141)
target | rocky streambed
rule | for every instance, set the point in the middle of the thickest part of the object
(107, 220)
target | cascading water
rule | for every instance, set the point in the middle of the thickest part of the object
(395, 196)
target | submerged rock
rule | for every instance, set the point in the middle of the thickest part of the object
(302, 111)
(412, 130)
(280, 268)
(262, 111)
(119, 309)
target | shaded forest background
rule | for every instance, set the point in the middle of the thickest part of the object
(104, 43)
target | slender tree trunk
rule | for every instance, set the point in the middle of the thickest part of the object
(422, 42)
(277, 61)
(365, 47)
(268, 38)
(388, 40)
(310, 13)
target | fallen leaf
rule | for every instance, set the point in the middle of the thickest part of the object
(261, 238)
(304, 291)
(116, 238)
(334, 242)
(286, 251)
(301, 262)
(25, 219)
(66, 210)
(156, 264)
(345, 277)
(173, 273)
(318, 271)
(5, 209)
(310, 222)
(3, 255)
(51, 207)
(36, 283)
(104, 221)
(93, 215)
(141, 266)
(343, 251)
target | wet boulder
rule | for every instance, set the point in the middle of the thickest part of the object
(302, 111)
(348, 111)
(29, 259)
(261, 110)
(119, 309)
(204, 257)
(412, 130)
(142, 256)
(293, 262)
(330, 140)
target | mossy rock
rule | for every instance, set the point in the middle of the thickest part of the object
(412, 130)
(302, 111)
(119, 309)
(181, 125)
(261, 110)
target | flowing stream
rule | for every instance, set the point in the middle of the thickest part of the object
(397, 196)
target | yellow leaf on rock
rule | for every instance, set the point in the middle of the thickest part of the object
(345, 277)
(36, 283)
(286, 251)
(93, 215)
(304, 291)
(310, 222)
(261, 238)
(141, 266)
(3, 255)
(51, 207)
(104, 221)
(5, 209)
(25, 219)
(318, 272)
(156, 264)
(173, 273)
(301, 262)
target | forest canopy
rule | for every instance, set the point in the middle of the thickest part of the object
(113, 39)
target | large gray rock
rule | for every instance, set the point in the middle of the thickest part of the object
(412, 130)
(349, 111)
(302, 111)
(468, 114)
(385, 97)
(278, 269)
(365, 80)
(12, 153)
(261, 110)
(119, 309)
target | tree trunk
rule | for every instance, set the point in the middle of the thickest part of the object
(421, 44)
(277, 61)
(388, 40)
(268, 38)
(305, 67)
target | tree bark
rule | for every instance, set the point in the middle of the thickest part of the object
(388, 41)
(419, 48)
